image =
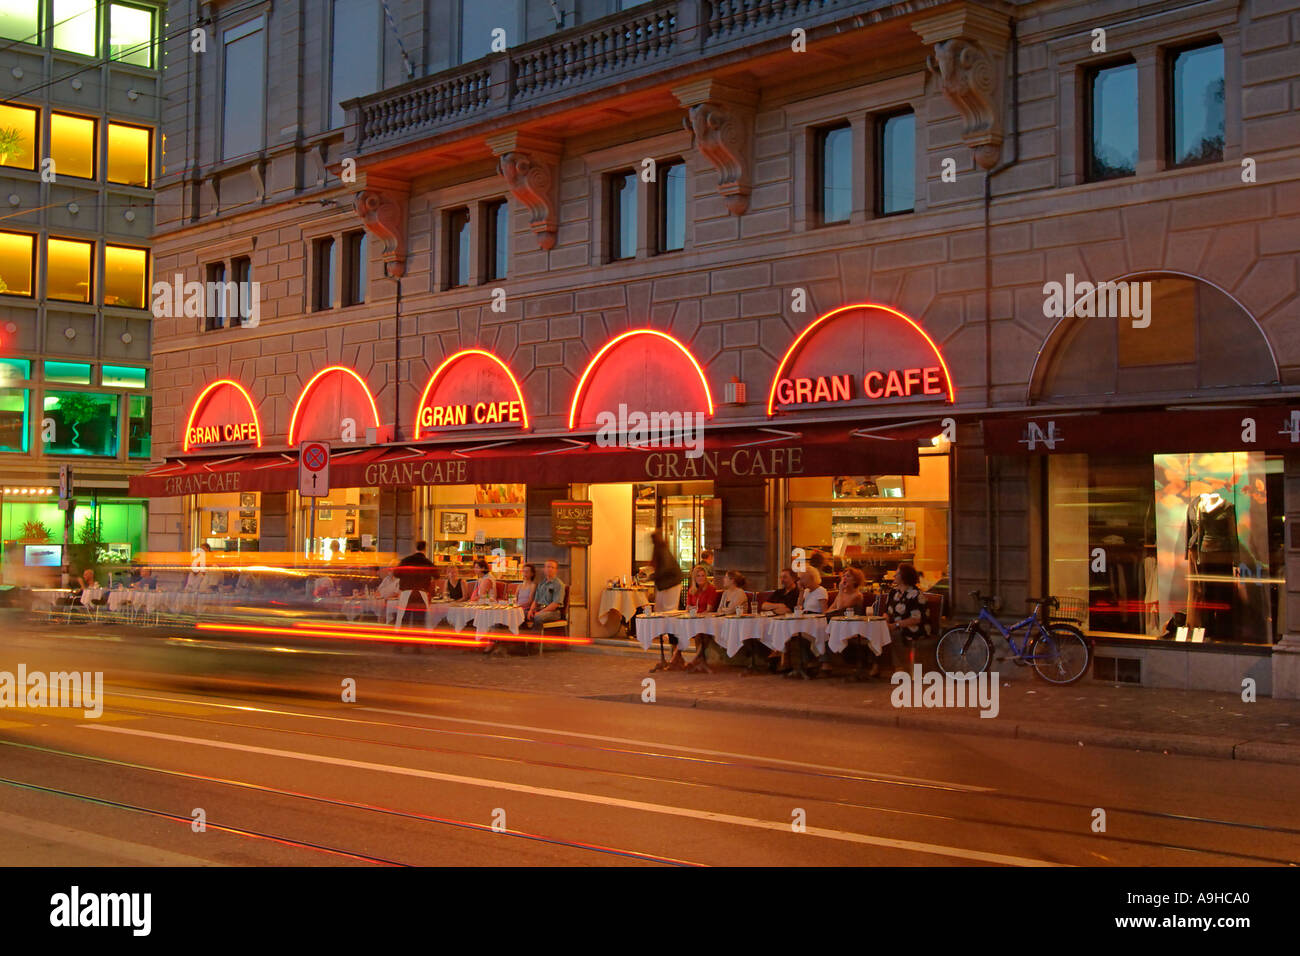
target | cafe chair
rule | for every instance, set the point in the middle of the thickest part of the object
(562, 625)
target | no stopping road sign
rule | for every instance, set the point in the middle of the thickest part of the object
(313, 469)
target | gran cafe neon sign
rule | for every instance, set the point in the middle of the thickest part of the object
(243, 429)
(440, 410)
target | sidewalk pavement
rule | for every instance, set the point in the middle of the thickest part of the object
(1200, 723)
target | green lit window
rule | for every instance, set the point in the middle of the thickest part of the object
(19, 20)
(75, 25)
(67, 373)
(15, 404)
(124, 376)
(130, 34)
(14, 370)
(84, 423)
(18, 135)
(139, 426)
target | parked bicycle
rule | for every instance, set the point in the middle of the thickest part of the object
(1057, 651)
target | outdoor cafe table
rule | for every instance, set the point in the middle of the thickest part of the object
(780, 629)
(623, 600)
(484, 616)
(677, 623)
(734, 630)
(874, 629)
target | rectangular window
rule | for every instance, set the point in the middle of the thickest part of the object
(622, 216)
(18, 136)
(670, 197)
(354, 281)
(458, 248)
(72, 145)
(478, 20)
(834, 183)
(139, 424)
(17, 263)
(67, 269)
(19, 20)
(1196, 105)
(130, 35)
(497, 226)
(124, 376)
(67, 373)
(14, 370)
(241, 305)
(126, 276)
(356, 54)
(76, 26)
(323, 261)
(130, 151)
(15, 411)
(896, 164)
(214, 306)
(243, 107)
(85, 423)
(1112, 117)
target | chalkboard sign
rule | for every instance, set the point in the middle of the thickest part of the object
(571, 523)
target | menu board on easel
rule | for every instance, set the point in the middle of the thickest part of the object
(713, 524)
(571, 524)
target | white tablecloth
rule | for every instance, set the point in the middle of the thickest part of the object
(780, 629)
(90, 595)
(842, 629)
(623, 600)
(680, 625)
(484, 616)
(734, 631)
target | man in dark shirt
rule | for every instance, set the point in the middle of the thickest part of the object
(416, 574)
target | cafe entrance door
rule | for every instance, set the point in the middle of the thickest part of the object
(682, 512)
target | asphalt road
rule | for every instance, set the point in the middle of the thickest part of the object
(427, 774)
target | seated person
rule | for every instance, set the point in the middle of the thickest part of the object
(785, 598)
(548, 599)
(852, 593)
(813, 597)
(527, 588)
(733, 593)
(455, 587)
(485, 590)
(388, 585)
(702, 595)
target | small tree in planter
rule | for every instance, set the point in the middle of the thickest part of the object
(11, 144)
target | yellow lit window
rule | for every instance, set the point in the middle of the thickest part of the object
(16, 261)
(126, 272)
(17, 136)
(128, 155)
(72, 145)
(67, 271)
(75, 25)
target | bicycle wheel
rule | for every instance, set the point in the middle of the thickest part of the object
(1060, 654)
(963, 650)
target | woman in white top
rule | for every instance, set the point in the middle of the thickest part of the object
(813, 598)
(485, 592)
(527, 587)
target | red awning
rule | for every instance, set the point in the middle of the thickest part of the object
(831, 449)
(1265, 428)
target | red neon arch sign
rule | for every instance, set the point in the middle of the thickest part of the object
(306, 390)
(949, 389)
(591, 366)
(248, 430)
(456, 357)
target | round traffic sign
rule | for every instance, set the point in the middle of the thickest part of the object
(315, 457)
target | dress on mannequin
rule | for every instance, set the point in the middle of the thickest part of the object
(1211, 551)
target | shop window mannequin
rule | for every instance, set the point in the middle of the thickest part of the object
(1211, 552)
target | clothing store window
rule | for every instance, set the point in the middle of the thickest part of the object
(1156, 543)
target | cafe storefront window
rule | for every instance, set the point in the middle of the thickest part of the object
(228, 521)
(875, 522)
(347, 521)
(466, 522)
(1153, 543)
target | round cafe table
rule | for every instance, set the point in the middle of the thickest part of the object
(874, 630)
(484, 616)
(780, 629)
(734, 630)
(650, 626)
(624, 601)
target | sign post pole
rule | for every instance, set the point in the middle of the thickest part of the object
(313, 479)
(67, 504)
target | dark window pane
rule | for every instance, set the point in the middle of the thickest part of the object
(458, 246)
(672, 207)
(139, 426)
(214, 297)
(835, 174)
(242, 275)
(241, 118)
(324, 274)
(898, 164)
(84, 423)
(356, 270)
(1113, 112)
(499, 225)
(14, 409)
(356, 54)
(1197, 109)
(623, 209)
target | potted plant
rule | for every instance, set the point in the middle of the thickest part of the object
(34, 533)
(11, 144)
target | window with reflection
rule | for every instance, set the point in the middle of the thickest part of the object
(323, 281)
(130, 34)
(67, 269)
(834, 163)
(125, 376)
(18, 136)
(1112, 122)
(76, 26)
(622, 215)
(139, 425)
(17, 263)
(72, 145)
(67, 373)
(1196, 105)
(129, 154)
(498, 237)
(896, 164)
(458, 248)
(243, 93)
(126, 276)
(85, 423)
(671, 196)
(356, 53)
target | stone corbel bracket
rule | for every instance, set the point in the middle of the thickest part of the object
(721, 120)
(530, 167)
(382, 206)
(969, 58)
